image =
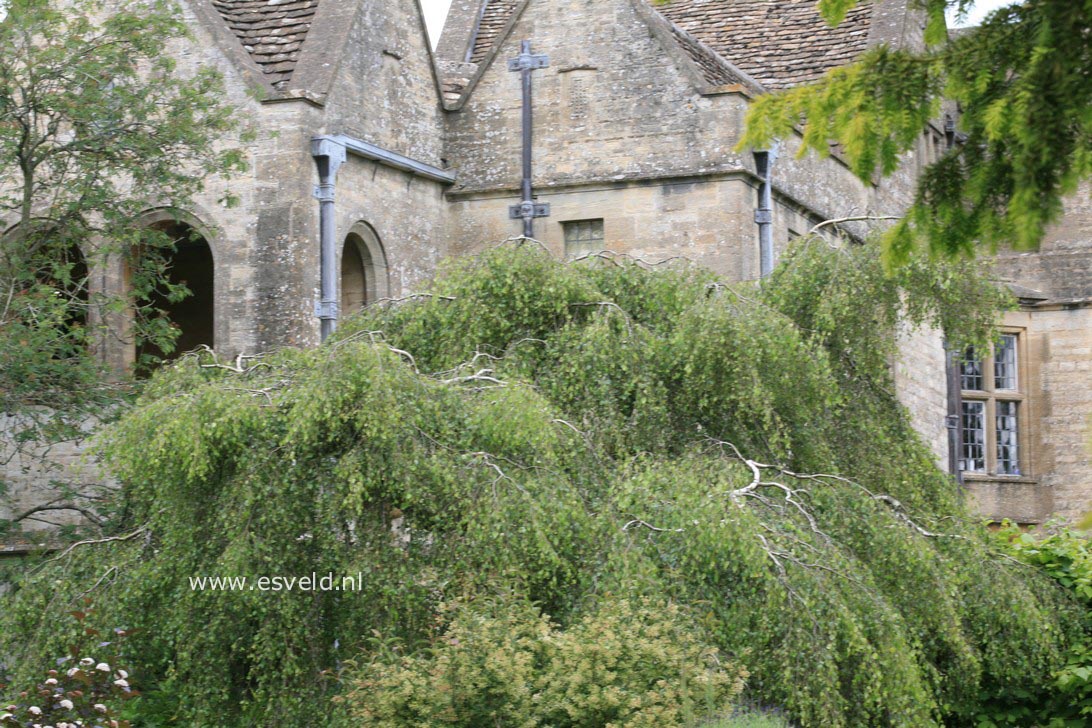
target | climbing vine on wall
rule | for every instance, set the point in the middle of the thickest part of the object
(573, 434)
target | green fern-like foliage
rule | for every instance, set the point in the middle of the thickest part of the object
(1021, 84)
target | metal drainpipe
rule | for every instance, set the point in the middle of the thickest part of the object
(764, 161)
(527, 132)
(329, 156)
(954, 378)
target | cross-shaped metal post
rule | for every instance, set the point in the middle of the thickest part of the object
(527, 209)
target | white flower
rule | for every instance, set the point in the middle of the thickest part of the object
(121, 683)
(123, 675)
(103, 667)
(34, 710)
(87, 661)
(4, 715)
(100, 707)
(72, 671)
(51, 681)
(66, 704)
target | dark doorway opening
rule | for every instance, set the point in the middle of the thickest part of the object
(357, 276)
(190, 265)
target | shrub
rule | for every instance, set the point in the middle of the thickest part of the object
(627, 663)
(84, 691)
(1067, 558)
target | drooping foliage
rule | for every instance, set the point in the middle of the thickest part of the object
(1020, 81)
(576, 434)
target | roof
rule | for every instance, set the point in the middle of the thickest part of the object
(769, 44)
(272, 31)
(494, 16)
(780, 43)
(713, 67)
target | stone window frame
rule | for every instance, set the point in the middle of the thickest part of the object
(373, 254)
(991, 399)
(580, 239)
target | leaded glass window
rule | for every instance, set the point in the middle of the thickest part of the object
(973, 423)
(971, 371)
(1004, 363)
(583, 237)
(992, 406)
(1008, 448)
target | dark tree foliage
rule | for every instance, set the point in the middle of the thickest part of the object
(1023, 84)
(571, 434)
(97, 125)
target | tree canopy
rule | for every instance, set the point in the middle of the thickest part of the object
(97, 125)
(1022, 81)
(570, 435)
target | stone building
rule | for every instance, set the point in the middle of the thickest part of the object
(375, 157)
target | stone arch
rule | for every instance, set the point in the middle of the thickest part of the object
(363, 269)
(63, 267)
(192, 263)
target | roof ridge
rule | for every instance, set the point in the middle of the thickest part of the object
(271, 31)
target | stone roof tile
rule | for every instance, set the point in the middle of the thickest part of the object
(272, 31)
(495, 15)
(714, 68)
(780, 43)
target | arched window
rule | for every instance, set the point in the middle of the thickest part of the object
(49, 264)
(71, 273)
(189, 264)
(363, 270)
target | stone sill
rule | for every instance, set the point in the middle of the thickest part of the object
(999, 479)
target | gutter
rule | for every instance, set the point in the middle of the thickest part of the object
(329, 153)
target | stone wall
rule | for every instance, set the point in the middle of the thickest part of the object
(919, 371)
(1064, 457)
(35, 475)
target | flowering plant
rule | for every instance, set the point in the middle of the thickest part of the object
(80, 692)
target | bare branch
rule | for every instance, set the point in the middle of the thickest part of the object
(53, 506)
(649, 526)
(853, 218)
(93, 541)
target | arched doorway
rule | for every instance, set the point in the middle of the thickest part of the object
(363, 270)
(71, 278)
(47, 270)
(190, 264)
